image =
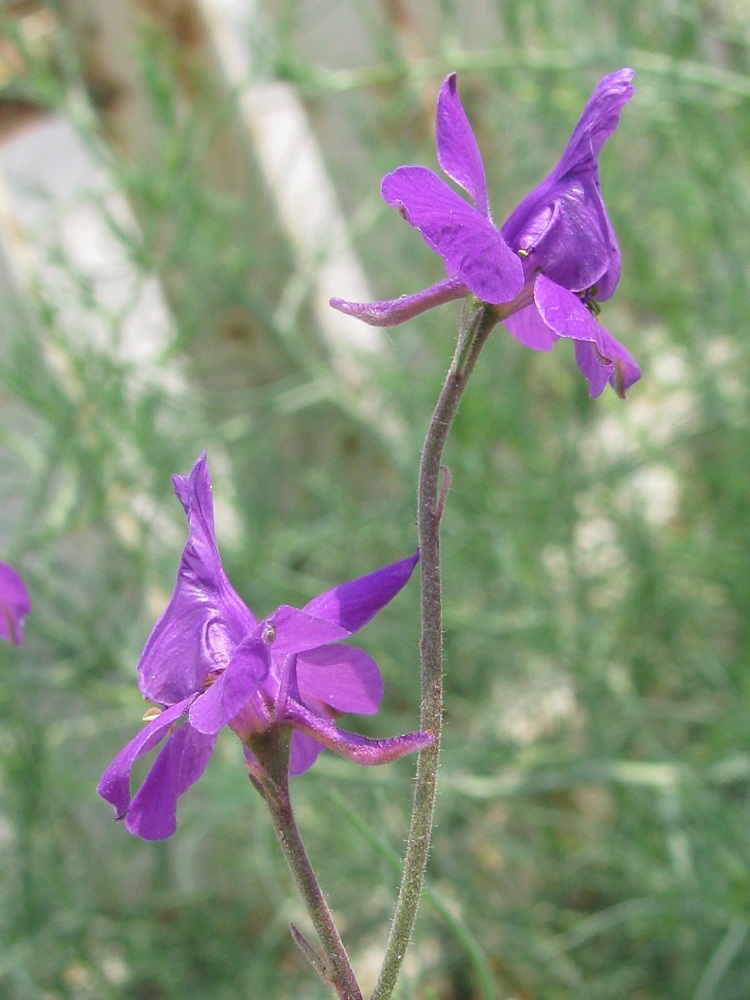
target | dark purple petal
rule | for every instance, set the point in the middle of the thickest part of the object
(181, 762)
(115, 784)
(391, 312)
(598, 121)
(357, 748)
(567, 236)
(205, 619)
(457, 150)
(229, 694)
(342, 677)
(15, 604)
(473, 250)
(562, 224)
(352, 605)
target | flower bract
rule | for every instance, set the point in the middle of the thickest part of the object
(548, 266)
(210, 663)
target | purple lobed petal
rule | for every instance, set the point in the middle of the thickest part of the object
(473, 250)
(294, 631)
(457, 150)
(342, 677)
(205, 619)
(15, 604)
(181, 762)
(352, 605)
(114, 786)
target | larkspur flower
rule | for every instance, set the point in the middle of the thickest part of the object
(210, 663)
(15, 604)
(548, 267)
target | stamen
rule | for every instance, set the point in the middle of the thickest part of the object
(152, 713)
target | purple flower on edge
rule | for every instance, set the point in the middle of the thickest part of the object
(14, 604)
(210, 663)
(548, 266)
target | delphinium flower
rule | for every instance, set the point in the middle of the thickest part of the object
(548, 267)
(15, 604)
(210, 663)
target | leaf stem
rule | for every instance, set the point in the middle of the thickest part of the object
(476, 324)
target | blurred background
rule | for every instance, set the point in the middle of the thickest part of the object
(183, 184)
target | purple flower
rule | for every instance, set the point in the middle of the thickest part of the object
(14, 604)
(548, 266)
(210, 663)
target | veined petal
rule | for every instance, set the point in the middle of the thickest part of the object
(360, 749)
(229, 694)
(391, 312)
(205, 618)
(114, 786)
(15, 604)
(457, 150)
(352, 605)
(181, 762)
(341, 677)
(471, 247)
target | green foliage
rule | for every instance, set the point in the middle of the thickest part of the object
(592, 836)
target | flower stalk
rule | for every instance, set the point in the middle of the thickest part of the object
(476, 325)
(270, 775)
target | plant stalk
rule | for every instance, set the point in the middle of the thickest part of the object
(476, 324)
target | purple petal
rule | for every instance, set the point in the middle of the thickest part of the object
(616, 367)
(564, 313)
(352, 605)
(600, 357)
(563, 224)
(598, 121)
(15, 604)
(529, 327)
(457, 150)
(391, 312)
(341, 677)
(229, 694)
(357, 748)
(205, 619)
(303, 752)
(473, 250)
(115, 783)
(182, 761)
(294, 631)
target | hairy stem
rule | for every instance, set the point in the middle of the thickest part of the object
(271, 778)
(476, 324)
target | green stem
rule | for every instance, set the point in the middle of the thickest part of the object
(476, 325)
(271, 778)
